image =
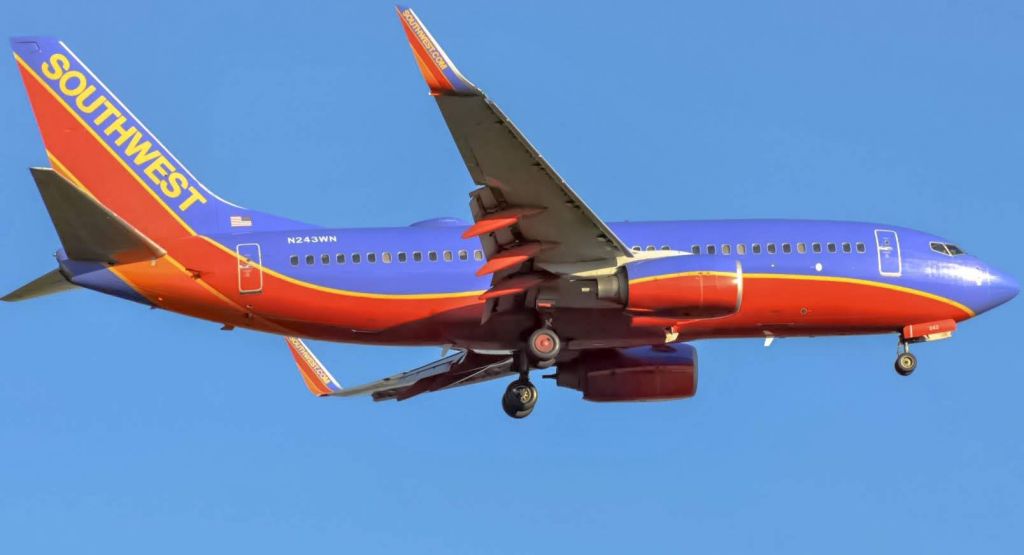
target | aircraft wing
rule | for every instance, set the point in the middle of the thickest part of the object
(524, 211)
(461, 368)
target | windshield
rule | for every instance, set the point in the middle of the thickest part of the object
(948, 249)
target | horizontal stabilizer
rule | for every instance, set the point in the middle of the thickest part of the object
(47, 284)
(87, 229)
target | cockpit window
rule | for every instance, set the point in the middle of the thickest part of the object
(948, 249)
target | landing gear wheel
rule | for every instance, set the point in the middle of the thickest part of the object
(519, 399)
(544, 345)
(905, 364)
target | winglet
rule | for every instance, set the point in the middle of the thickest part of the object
(319, 381)
(443, 78)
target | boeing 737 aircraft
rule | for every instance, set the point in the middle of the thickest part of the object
(536, 281)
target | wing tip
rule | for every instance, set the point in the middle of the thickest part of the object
(441, 75)
(318, 380)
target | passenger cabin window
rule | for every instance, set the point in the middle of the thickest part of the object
(385, 257)
(695, 249)
(847, 248)
(448, 256)
(711, 249)
(402, 257)
(341, 258)
(861, 248)
(755, 248)
(417, 256)
(650, 247)
(463, 255)
(637, 248)
(801, 248)
(771, 248)
(356, 258)
(787, 248)
(371, 257)
(294, 260)
(325, 259)
(310, 259)
(816, 247)
(726, 249)
(832, 247)
(432, 256)
(666, 248)
(741, 248)
(478, 254)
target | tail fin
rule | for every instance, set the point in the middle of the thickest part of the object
(94, 141)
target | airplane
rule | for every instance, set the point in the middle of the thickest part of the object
(536, 281)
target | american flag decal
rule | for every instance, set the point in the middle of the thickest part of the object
(241, 221)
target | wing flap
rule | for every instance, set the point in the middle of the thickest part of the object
(461, 368)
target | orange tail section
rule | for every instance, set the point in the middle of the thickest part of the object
(94, 141)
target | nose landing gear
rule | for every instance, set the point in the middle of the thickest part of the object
(906, 362)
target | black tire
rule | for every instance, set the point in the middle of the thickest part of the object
(519, 399)
(906, 363)
(544, 344)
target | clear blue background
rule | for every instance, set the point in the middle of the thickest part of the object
(126, 430)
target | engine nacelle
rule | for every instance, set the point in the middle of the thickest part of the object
(686, 287)
(636, 374)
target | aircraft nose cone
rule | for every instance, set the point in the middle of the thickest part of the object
(1004, 287)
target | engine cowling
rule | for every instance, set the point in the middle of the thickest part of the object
(686, 287)
(637, 374)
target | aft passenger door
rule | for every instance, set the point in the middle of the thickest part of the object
(250, 271)
(889, 261)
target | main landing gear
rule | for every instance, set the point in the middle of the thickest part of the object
(543, 347)
(519, 399)
(906, 362)
(541, 351)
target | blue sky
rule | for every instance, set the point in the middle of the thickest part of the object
(129, 430)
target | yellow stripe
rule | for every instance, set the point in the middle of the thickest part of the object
(361, 294)
(870, 283)
(831, 279)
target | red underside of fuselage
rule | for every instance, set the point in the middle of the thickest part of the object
(199, 278)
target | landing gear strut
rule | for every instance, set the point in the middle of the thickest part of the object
(906, 362)
(542, 349)
(521, 396)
